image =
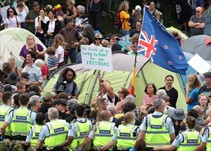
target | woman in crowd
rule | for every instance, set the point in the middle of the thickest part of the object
(122, 93)
(52, 28)
(15, 68)
(71, 10)
(192, 91)
(204, 104)
(30, 45)
(7, 69)
(22, 11)
(12, 19)
(124, 17)
(150, 96)
(58, 44)
(135, 16)
(127, 141)
(40, 23)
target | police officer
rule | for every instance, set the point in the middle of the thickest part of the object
(185, 141)
(20, 120)
(103, 131)
(33, 135)
(79, 129)
(126, 134)
(54, 133)
(154, 126)
(5, 109)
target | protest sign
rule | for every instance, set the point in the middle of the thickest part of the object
(96, 57)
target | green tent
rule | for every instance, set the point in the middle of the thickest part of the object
(87, 80)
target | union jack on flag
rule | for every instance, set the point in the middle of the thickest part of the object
(157, 44)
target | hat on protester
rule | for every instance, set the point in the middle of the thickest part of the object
(12, 78)
(48, 95)
(207, 74)
(25, 75)
(35, 3)
(57, 7)
(59, 101)
(138, 7)
(178, 114)
(98, 35)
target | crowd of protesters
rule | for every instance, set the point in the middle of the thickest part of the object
(53, 120)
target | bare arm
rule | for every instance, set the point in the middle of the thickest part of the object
(170, 147)
(67, 142)
(109, 145)
(172, 136)
(39, 144)
(139, 139)
(201, 147)
(4, 126)
(200, 25)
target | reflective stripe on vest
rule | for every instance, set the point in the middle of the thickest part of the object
(191, 141)
(208, 144)
(4, 112)
(82, 130)
(58, 130)
(125, 138)
(156, 128)
(35, 134)
(104, 132)
(21, 123)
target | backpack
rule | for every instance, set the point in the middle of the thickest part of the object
(117, 22)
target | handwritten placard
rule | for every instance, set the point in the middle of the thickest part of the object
(96, 57)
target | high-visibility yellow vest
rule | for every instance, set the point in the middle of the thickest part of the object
(103, 134)
(82, 130)
(21, 123)
(208, 144)
(125, 136)
(191, 141)
(58, 130)
(4, 112)
(156, 132)
(35, 134)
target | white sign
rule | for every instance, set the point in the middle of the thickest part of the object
(96, 57)
(199, 64)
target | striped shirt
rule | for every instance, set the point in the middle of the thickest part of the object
(52, 61)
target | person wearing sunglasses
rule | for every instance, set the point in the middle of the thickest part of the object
(97, 40)
(197, 22)
(12, 19)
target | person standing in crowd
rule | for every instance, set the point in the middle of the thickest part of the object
(137, 30)
(22, 10)
(81, 20)
(154, 11)
(33, 135)
(192, 91)
(187, 140)
(206, 89)
(20, 120)
(15, 68)
(58, 44)
(204, 104)
(172, 93)
(124, 17)
(40, 23)
(53, 133)
(95, 14)
(30, 17)
(153, 128)
(122, 93)
(35, 74)
(30, 45)
(71, 11)
(5, 110)
(71, 37)
(78, 131)
(52, 28)
(52, 61)
(207, 28)
(150, 96)
(98, 38)
(65, 83)
(12, 19)
(35, 103)
(197, 22)
(136, 16)
(126, 134)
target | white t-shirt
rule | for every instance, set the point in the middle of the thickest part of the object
(12, 22)
(60, 50)
(22, 15)
(51, 26)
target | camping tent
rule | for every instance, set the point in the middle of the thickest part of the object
(87, 80)
(11, 42)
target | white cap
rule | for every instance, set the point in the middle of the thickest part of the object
(138, 7)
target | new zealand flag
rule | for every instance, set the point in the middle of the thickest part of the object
(156, 43)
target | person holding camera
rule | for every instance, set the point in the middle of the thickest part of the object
(66, 84)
